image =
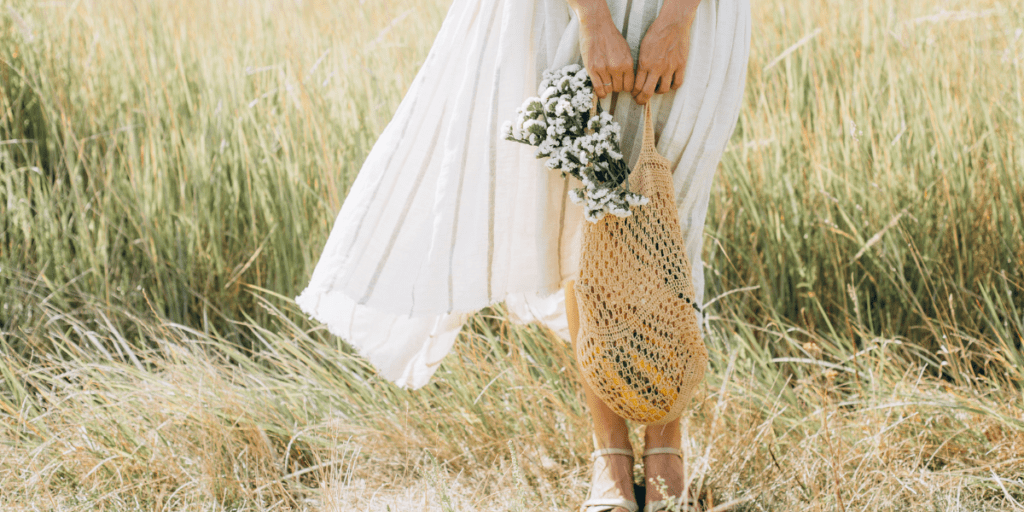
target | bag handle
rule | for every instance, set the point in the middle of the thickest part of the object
(647, 145)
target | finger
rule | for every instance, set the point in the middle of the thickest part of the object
(665, 83)
(627, 81)
(638, 83)
(617, 81)
(677, 79)
(648, 89)
(599, 79)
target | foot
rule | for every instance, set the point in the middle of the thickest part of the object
(612, 480)
(666, 468)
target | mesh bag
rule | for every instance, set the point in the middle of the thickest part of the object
(639, 343)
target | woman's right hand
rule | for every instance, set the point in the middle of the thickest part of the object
(605, 52)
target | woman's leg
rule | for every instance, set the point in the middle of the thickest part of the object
(667, 466)
(613, 474)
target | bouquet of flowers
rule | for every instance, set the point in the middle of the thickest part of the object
(585, 147)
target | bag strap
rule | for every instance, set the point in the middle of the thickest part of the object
(647, 145)
(593, 112)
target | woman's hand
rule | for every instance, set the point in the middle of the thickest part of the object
(664, 50)
(605, 52)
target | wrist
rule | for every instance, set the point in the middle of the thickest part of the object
(592, 13)
(678, 11)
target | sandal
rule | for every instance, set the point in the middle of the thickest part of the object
(688, 504)
(608, 504)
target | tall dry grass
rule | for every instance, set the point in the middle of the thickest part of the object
(169, 171)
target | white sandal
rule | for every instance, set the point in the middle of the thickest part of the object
(684, 505)
(608, 504)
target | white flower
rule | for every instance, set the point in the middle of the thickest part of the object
(536, 127)
(546, 147)
(581, 103)
(588, 151)
(564, 107)
(565, 84)
(636, 199)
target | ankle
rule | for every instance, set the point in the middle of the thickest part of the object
(660, 443)
(612, 440)
(668, 435)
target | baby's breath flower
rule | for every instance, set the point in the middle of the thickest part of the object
(537, 130)
(564, 108)
(534, 107)
(559, 123)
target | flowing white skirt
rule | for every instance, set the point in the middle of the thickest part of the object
(446, 218)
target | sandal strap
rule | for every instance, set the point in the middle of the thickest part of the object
(611, 451)
(656, 451)
(605, 504)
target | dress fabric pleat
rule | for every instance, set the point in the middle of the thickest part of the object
(446, 218)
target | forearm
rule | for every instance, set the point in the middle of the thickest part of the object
(678, 10)
(591, 11)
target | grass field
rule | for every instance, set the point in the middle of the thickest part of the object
(170, 170)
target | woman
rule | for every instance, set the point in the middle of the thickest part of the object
(445, 218)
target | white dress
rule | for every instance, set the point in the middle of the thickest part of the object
(446, 218)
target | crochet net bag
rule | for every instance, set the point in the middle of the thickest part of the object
(639, 343)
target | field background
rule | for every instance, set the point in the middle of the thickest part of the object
(169, 172)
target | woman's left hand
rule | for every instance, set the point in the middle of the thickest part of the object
(664, 50)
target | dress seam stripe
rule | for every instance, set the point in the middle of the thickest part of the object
(401, 219)
(373, 196)
(492, 184)
(696, 166)
(465, 157)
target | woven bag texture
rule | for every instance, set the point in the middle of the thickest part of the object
(639, 344)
